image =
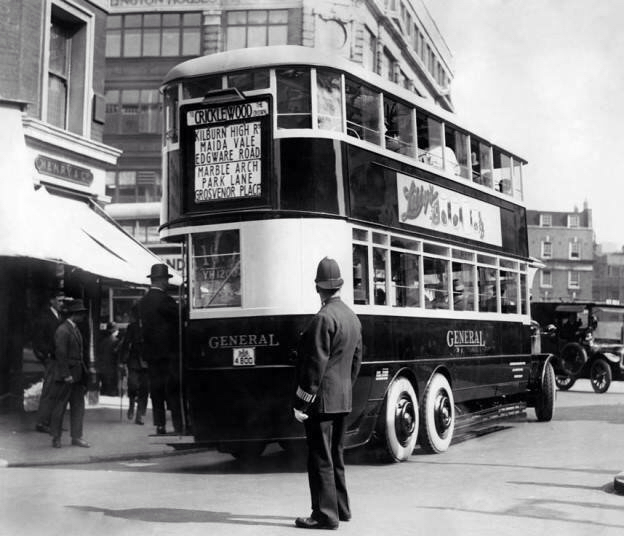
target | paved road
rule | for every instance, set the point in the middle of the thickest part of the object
(527, 478)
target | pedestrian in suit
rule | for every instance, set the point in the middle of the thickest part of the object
(330, 355)
(158, 314)
(70, 377)
(138, 375)
(43, 347)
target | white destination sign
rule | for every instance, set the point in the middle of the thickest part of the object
(227, 157)
(425, 205)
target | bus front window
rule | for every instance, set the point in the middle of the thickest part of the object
(215, 270)
(329, 100)
(362, 112)
(294, 108)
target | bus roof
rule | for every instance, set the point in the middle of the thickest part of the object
(273, 56)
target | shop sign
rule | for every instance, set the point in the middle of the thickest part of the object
(63, 170)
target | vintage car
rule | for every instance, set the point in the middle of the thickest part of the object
(586, 338)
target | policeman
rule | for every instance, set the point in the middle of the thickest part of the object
(330, 357)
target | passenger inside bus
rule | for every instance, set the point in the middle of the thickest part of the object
(460, 300)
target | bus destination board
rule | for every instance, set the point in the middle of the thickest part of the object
(226, 144)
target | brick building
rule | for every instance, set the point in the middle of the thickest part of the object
(54, 233)
(564, 242)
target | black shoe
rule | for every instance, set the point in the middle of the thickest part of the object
(344, 518)
(80, 443)
(138, 420)
(56, 442)
(160, 430)
(43, 428)
(311, 523)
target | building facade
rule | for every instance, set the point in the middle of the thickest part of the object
(54, 233)
(608, 277)
(564, 242)
(146, 38)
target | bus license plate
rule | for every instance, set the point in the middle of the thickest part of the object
(244, 357)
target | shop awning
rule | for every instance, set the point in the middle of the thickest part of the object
(79, 233)
(35, 223)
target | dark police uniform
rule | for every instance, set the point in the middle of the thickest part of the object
(330, 358)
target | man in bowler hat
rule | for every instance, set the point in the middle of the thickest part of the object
(158, 313)
(330, 357)
(70, 377)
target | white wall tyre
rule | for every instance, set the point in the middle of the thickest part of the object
(545, 400)
(438, 416)
(398, 421)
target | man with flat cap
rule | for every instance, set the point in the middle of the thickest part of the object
(330, 355)
(158, 314)
(70, 377)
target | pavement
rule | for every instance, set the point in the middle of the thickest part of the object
(111, 434)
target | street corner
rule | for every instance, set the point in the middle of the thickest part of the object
(618, 483)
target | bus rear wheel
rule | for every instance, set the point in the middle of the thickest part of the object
(399, 420)
(438, 416)
(545, 401)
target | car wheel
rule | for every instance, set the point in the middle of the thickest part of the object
(564, 382)
(573, 358)
(399, 420)
(600, 375)
(545, 401)
(438, 416)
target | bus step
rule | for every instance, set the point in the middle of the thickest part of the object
(470, 419)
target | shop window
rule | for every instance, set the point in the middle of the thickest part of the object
(256, 28)
(294, 108)
(153, 35)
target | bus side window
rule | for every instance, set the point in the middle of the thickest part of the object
(360, 274)
(436, 274)
(406, 287)
(487, 289)
(379, 270)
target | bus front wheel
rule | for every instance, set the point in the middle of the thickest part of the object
(438, 416)
(399, 420)
(545, 401)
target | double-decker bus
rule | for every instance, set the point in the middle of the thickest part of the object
(276, 157)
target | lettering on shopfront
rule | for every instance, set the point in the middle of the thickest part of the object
(233, 341)
(227, 158)
(63, 170)
(464, 338)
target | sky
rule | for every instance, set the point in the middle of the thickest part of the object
(545, 80)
